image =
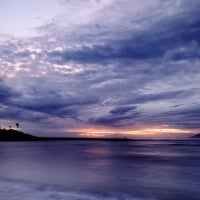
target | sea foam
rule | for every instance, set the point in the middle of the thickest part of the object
(19, 190)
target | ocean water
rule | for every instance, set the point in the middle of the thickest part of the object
(100, 170)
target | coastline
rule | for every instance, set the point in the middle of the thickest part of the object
(13, 135)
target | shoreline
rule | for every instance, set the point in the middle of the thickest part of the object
(13, 135)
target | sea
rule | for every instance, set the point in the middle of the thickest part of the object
(100, 170)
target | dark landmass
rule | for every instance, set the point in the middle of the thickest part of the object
(196, 136)
(14, 135)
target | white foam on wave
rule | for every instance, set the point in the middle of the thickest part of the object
(18, 190)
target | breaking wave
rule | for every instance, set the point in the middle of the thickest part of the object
(19, 190)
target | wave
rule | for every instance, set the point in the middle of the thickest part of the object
(19, 190)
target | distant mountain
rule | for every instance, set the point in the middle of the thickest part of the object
(14, 135)
(196, 136)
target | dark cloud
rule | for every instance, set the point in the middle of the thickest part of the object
(16, 114)
(119, 117)
(140, 99)
(188, 115)
(184, 118)
(57, 107)
(6, 92)
(122, 110)
(118, 121)
(163, 37)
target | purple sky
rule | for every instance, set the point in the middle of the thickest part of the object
(104, 67)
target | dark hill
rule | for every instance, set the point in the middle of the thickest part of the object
(14, 135)
(196, 136)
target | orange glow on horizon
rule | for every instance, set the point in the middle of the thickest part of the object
(102, 132)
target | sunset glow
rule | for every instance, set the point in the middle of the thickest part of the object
(99, 99)
(95, 132)
(107, 68)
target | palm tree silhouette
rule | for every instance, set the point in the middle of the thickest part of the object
(17, 125)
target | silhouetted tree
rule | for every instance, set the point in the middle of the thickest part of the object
(17, 125)
(10, 127)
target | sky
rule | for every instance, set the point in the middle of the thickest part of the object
(100, 68)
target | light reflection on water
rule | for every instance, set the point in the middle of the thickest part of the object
(146, 169)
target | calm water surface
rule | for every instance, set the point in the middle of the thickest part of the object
(94, 170)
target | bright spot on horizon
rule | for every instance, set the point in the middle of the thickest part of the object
(156, 132)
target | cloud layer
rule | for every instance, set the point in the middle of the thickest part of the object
(127, 65)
